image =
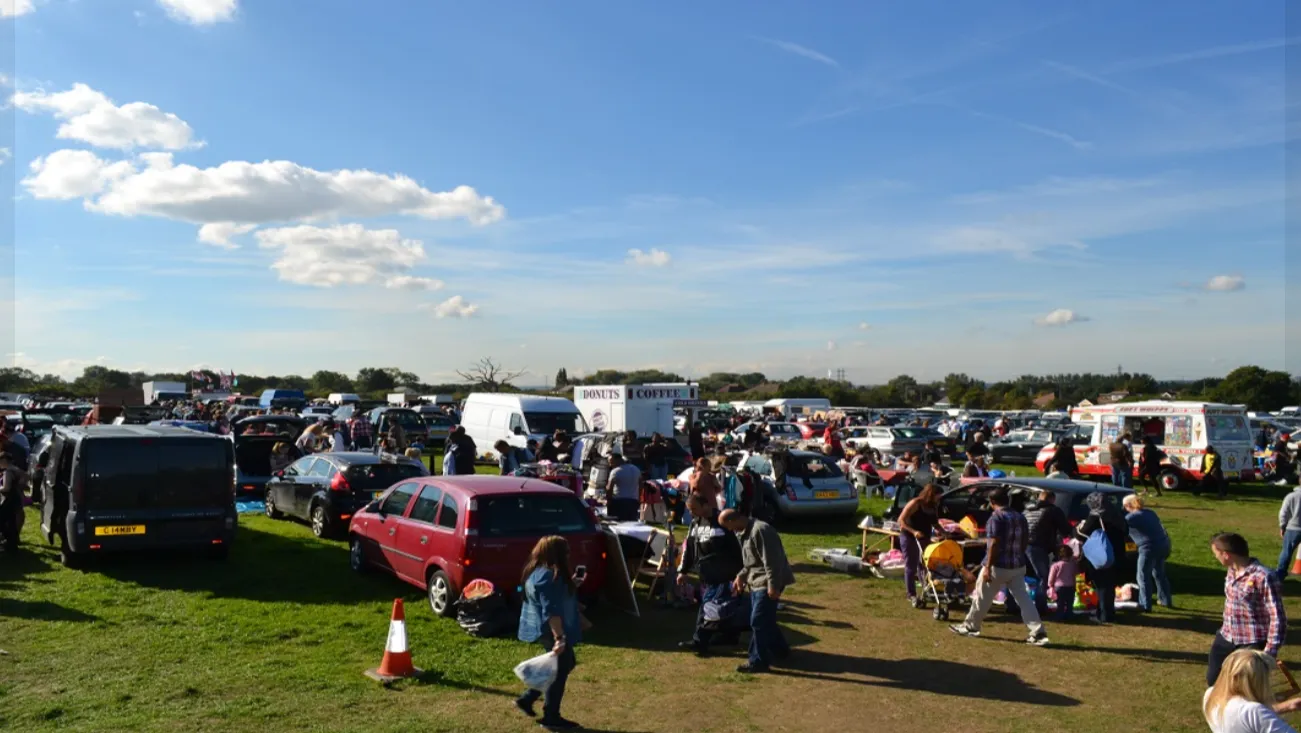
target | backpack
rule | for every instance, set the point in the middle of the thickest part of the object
(1098, 550)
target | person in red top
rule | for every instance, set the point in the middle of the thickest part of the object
(831, 439)
(1154, 428)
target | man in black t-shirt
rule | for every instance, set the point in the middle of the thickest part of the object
(715, 555)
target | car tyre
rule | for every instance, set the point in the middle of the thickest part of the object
(442, 596)
(220, 553)
(271, 509)
(356, 556)
(321, 525)
(68, 558)
(1170, 480)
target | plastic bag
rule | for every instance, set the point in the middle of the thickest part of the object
(539, 672)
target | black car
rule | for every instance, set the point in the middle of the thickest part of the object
(255, 437)
(326, 489)
(1022, 446)
(109, 488)
(972, 499)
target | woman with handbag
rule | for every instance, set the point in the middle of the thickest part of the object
(550, 616)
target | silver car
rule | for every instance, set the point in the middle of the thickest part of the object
(815, 485)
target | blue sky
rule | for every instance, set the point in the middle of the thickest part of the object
(995, 188)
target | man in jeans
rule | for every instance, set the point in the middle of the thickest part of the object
(1289, 528)
(1008, 536)
(765, 573)
(1048, 526)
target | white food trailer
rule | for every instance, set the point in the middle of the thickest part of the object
(644, 408)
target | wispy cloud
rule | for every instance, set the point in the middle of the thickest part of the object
(798, 50)
(653, 258)
(1060, 317)
(1083, 75)
(1047, 132)
(1225, 283)
(1214, 52)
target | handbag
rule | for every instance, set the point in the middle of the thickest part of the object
(1098, 550)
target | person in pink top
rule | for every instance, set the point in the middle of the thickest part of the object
(1061, 582)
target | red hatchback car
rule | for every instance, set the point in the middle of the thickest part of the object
(440, 533)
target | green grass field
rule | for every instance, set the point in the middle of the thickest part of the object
(277, 637)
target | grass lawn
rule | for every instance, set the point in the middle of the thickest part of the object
(277, 638)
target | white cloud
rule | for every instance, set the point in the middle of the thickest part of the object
(219, 233)
(65, 368)
(15, 8)
(200, 12)
(91, 117)
(347, 254)
(653, 258)
(5, 154)
(831, 346)
(864, 326)
(70, 174)
(455, 307)
(1225, 283)
(239, 192)
(1060, 317)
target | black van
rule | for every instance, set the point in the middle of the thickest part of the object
(124, 487)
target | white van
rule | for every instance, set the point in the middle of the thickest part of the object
(789, 407)
(343, 398)
(1182, 430)
(517, 418)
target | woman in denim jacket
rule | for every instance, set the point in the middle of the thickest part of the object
(550, 615)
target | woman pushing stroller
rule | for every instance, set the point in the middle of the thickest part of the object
(916, 524)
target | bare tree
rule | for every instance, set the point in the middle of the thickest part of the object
(488, 375)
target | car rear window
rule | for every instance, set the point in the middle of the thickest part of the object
(157, 474)
(812, 467)
(374, 476)
(532, 515)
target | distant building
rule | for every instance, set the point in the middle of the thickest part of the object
(1044, 400)
(1112, 397)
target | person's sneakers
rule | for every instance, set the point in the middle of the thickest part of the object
(560, 724)
(963, 630)
(525, 707)
(1038, 639)
(753, 668)
(917, 602)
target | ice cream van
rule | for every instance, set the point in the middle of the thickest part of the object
(1182, 430)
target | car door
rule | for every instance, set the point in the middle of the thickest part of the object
(389, 534)
(418, 540)
(280, 489)
(316, 479)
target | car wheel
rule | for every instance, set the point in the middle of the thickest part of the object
(441, 594)
(321, 526)
(68, 558)
(271, 509)
(219, 552)
(1170, 480)
(356, 555)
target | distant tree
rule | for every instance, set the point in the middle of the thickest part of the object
(95, 379)
(1257, 388)
(371, 379)
(488, 376)
(327, 382)
(562, 377)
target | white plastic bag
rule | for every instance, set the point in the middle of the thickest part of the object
(539, 672)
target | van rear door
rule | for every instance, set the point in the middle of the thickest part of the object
(123, 475)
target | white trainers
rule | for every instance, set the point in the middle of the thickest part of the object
(963, 630)
(1038, 639)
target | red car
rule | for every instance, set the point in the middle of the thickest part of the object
(439, 533)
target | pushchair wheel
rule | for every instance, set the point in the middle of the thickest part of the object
(941, 613)
(919, 603)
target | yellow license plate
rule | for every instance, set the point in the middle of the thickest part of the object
(826, 495)
(1131, 547)
(119, 529)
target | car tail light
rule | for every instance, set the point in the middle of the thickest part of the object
(790, 494)
(78, 489)
(472, 521)
(340, 483)
(853, 492)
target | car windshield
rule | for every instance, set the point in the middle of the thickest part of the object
(812, 467)
(377, 476)
(532, 515)
(547, 423)
(1227, 428)
(1020, 436)
(406, 418)
(909, 433)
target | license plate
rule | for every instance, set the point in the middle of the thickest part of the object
(1131, 547)
(826, 495)
(119, 529)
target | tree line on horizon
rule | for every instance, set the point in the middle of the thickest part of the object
(1254, 386)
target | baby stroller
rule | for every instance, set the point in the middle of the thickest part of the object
(944, 579)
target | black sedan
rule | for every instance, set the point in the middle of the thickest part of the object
(1023, 446)
(326, 489)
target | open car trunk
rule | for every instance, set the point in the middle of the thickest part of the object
(253, 454)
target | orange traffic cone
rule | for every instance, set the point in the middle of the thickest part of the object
(1296, 562)
(397, 657)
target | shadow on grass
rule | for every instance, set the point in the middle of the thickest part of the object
(938, 676)
(18, 565)
(431, 677)
(261, 567)
(41, 611)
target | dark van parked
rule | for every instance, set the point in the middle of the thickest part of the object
(109, 488)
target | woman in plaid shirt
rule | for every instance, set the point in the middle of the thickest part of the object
(1253, 605)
